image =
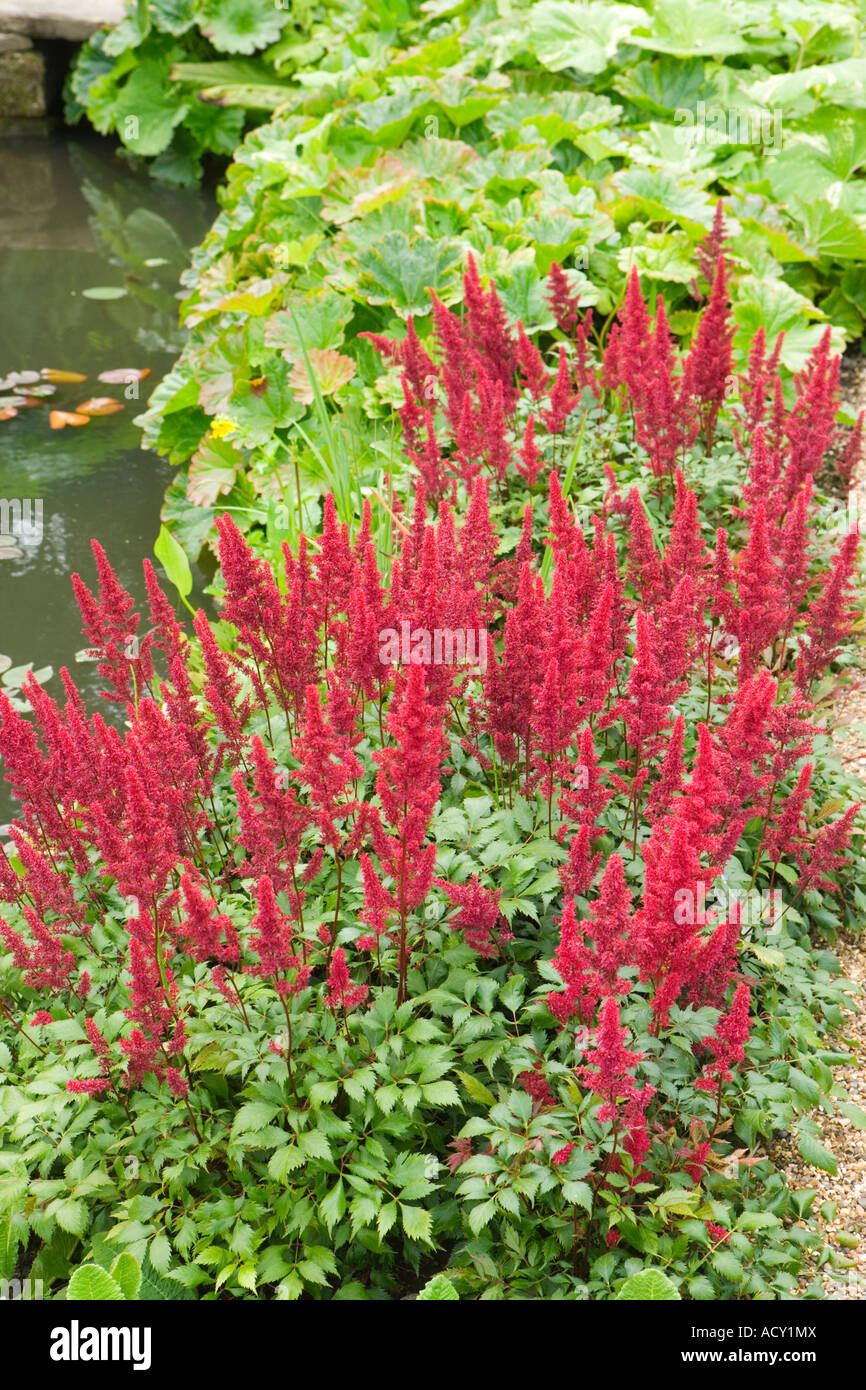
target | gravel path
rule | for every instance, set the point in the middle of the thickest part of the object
(845, 1228)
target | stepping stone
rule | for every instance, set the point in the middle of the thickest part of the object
(75, 20)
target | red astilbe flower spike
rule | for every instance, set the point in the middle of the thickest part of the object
(509, 682)
(645, 572)
(93, 1086)
(585, 796)
(272, 822)
(222, 690)
(611, 362)
(45, 961)
(563, 302)
(710, 251)
(578, 872)
(110, 624)
(341, 994)
(810, 428)
(328, 766)
(529, 461)
(478, 917)
(708, 365)
(274, 944)
(408, 785)
(562, 399)
(667, 935)
(533, 373)
(584, 370)
(609, 1070)
(252, 604)
(793, 545)
(827, 853)
(378, 906)
(831, 615)
(670, 781)
(785, 836)
(728, 1042)
(634, 335)
(168, 634)
(534, 1083)
(430, 462)
(489, 333)
(686, 552)
(596, 672)
(849, 461)
(645, 707)
(591, 953)
(762, 480)
(210, 933)
(759, 586)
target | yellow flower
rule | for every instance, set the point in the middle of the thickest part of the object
(221, 427)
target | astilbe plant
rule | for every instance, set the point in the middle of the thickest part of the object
(255, 865)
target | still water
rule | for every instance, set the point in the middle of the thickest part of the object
(74, 217)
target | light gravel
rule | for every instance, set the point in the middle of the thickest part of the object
(845, 1230)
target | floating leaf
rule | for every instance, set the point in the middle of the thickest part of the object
(59, 419)
(10, 552)
(119, 376)
(18, 379)
(104, 292)
(60, 376)
(331, 370)
(8, 412)
(100, 405)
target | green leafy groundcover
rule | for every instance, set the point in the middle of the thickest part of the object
(282, 990)
(596, 136)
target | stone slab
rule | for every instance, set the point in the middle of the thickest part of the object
(14, 43)
(75, 20)
(22, 86)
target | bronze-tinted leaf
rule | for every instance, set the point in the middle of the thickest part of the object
(330, 369)
(58, 375)
(7, 412)
(100, 405)
(59, 419)
(119, 376)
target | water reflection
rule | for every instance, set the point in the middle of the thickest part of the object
(73, 217)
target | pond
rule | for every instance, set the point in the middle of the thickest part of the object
(74, 219)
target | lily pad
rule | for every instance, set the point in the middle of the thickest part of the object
(104, 292)
(100, 405)
(13, 677)
(14, 379)
(119, 376)
(59, 375)
(59, 419)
